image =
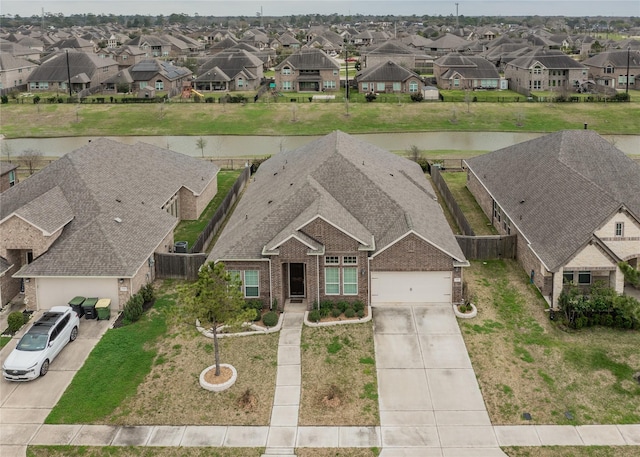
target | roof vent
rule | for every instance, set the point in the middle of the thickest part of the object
(118, 200)
(117, 219)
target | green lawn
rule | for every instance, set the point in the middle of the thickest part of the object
(457, 183)
(190, 230)
(285, 118)
(114, 369)
(4, 340)
(482, 96)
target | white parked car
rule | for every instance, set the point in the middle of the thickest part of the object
(41, 344)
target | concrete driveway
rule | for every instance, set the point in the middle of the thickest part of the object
(430, 401)
(25, 405)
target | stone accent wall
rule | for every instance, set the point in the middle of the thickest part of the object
(15, 233)
(30, 300)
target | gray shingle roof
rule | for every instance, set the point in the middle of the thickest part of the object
(617, 59)
(550, 59)
(309, 59)
(149, 68)
(386, 71)
(372, 194)
(470, 67)
(559, 188)
(98, 183)
(55, 67)
(231, 63)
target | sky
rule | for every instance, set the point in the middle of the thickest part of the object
(581, 8)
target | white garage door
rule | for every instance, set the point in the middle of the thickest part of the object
(58, 291)
(394, 287)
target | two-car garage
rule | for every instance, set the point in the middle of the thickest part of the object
(396, 287)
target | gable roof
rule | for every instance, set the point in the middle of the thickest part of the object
(113, 193)
(55, 67)
(149, 68)
(231, 63)
(467, 66)
(559, 188)
(386, 71)
(309, 59)
(371, 194)
(617, 59)
(549, 59)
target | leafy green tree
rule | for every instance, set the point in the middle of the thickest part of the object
(215, 299)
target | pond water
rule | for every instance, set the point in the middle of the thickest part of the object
(221, 146)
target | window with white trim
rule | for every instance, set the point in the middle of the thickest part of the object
(380, 87)
(286, 71)
(413, 87)
(349, 260)
(365, 87)
(350, 281)
(397, 87)
(286, 85)
(567, 277)
(537, 70)
(619, 228)
(251, 283)
(12, 178)
(331, 260)
(159, 85)
(329, 84)
(332, 281)
(456, 82)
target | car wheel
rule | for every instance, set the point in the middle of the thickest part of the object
(44, 368)
(74, 334)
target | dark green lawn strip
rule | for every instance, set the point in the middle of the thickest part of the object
(113, 371)
(190, 230)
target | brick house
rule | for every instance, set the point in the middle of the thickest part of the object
(543, 71)
(90, 223)
(609, 69)
(457, 71)
(388, 77)
(572, 199)
(230, 70)
(8, 175)
(308, 70)
(83, 69)
(340, 219)
(14, 71)
(158, 75)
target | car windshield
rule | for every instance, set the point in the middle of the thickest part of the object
(33, 342)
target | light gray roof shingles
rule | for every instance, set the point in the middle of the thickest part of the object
(560, 188)
(100, 182)
(372, 194)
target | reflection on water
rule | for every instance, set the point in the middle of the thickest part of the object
(252, 146)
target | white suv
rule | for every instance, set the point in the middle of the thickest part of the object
(41, 344)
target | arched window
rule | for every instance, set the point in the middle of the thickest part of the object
(159, 85)
(286, 70)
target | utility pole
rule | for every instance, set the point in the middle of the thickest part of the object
(457, 22)
(68, 73)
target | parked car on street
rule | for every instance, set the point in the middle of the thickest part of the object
(41, 344)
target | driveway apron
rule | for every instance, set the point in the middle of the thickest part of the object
(430, 401)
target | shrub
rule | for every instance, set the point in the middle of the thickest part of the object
(255, 305)
(335, 312)
(349, 313)
(270, 319)
(358, 306)
(342, 306)
(324, 312)
(621, 97)
(133, 308)
(197, 98)
(36, 99)
(148, 293)
(314, 316)
(417, 97)
(360, 313)
(4, 99)
(370, 97)
(15, 321)
(326, 304)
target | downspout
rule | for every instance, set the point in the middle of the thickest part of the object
(318, 281)
(369, 280)
(270, 286)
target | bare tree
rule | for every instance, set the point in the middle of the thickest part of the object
(201, 143)
(468, 98)
(415, 153)
(30, 159)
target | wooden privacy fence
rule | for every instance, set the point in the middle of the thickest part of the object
(488, 247)
(221, 213)
(178, 266)
(451, 203)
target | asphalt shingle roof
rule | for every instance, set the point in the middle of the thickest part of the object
(372, 194)
(558, 189)
(115, 193)
(309, 59)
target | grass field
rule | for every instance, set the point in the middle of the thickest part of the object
(572, 451)
(57, 120)
(457, 183)
(526, 363)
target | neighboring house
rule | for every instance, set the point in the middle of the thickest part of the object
(85, 70)
(388, 77)
(153, 46)
(160, 75)
(126, 56)
(573, 201)
(545, 71)
(230, 70)
(610, 69)
(75, 43)
(14, 71)
(8, 175)
(455, 71)
(399, 53)
(341, 219)
(90, 223)
(285, 41)
(17, 50)
(446, 44)
(308, 70)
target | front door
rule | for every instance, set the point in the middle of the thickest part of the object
(296, 280)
